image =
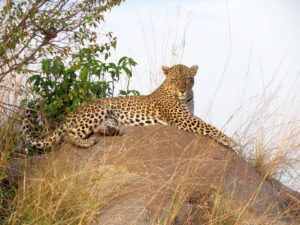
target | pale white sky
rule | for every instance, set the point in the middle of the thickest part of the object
(245, 49)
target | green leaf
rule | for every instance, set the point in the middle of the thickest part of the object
(58, 67)
(89, 19)
(127, 71)
(64, 24)
(84, 74)
(46, 65)
(121, 60)
(132, 62)
(33, 78)
(112, 65)
(134, 92)
(122, 93)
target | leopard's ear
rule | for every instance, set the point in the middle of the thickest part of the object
(194, 70)
(166, 70)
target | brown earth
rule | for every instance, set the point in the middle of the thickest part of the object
(177, 178)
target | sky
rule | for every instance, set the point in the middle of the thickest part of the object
(248, 53)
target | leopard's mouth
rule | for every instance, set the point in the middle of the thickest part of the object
(190, 99)
(182, 96)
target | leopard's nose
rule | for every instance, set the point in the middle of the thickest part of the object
(182, 93)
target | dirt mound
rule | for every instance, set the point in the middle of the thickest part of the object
(176, 177)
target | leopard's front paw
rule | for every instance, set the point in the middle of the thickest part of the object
(227, 142)
(107, 130)
(91, 141)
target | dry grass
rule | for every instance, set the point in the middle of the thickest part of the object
(68, 194)
(212, 207)
(270, 137)
(11, 139)
(9, 145)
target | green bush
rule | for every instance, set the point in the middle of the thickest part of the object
(60, 88)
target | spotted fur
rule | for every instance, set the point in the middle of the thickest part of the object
(168, 104)
(188, 100)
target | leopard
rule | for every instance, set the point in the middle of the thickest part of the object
(170, 104)
(188, 100)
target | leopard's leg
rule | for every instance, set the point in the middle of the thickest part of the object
(78, 141)
(30, 126)
(190, 123)
(196, 125)
(78, 130)
(108, 127)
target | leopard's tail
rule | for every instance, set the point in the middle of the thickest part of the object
(30, 128)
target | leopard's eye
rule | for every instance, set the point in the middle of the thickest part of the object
(174, 80)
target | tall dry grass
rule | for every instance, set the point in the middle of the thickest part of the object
(10, 147)
(270, 136)
(63, 194)
(11, 140)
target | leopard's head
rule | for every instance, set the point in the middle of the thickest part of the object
(179, 79)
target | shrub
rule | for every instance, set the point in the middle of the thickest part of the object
(60, 88)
